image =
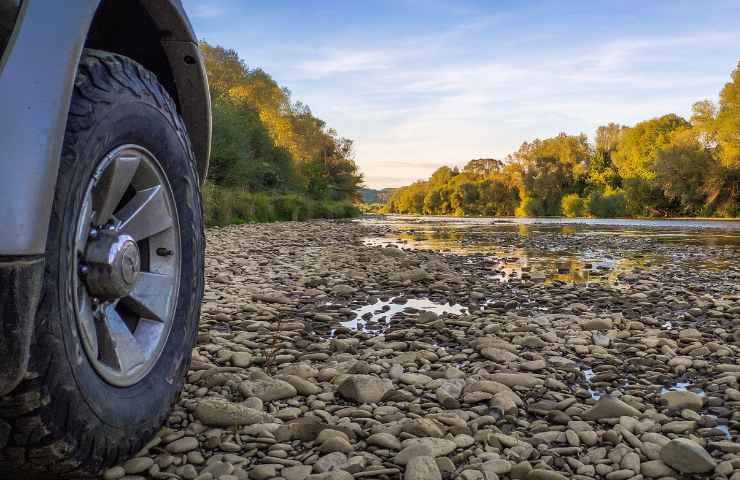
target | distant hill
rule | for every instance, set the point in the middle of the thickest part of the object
(376, 196)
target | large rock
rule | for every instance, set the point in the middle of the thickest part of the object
(423, 427)
(679, 400)
(414, 379)
(220, 413)
(305, 429)
(597, 324)
(419, 447)
(609, 406)
(364, 388)
(687, 456)
(656, 469)
(268, 390)
(329, 462)
(384, 440)
(498, 355)
(422, 468)
(542, 474)
(526, 380)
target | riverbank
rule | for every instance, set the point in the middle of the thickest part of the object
(325, 355)
(234, 206)
(678, 222)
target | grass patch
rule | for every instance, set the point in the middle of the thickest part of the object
(228, 206)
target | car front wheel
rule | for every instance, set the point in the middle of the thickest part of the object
(123, 281)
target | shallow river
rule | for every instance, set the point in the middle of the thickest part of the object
(568, 250)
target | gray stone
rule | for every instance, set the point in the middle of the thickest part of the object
(417, 447)
(220, 413)
(609, 406)
(183, 445)
(422, 468)
(678, 400)
(542, 474)
(329, 462)
(268, 390)
(656, 469)
(384, 440)
(138, 465)
(364, 388)
(298, 472)
(687, 456)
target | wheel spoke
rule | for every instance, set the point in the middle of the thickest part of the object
(146, 214)
(87, 322)
(84, 226)
(118, 347)
(151, 296)
(148, 332)
(113, 185)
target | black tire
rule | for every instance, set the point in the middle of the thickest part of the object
(64, 420)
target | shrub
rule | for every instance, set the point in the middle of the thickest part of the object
(530, 207)
(573, 205)
(608, 204)
(225, 206)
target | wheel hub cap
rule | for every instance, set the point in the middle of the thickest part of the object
(113, 265)
(127, 265)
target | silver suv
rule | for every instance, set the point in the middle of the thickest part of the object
(104, 142)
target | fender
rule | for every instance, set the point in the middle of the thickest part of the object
(37, 74)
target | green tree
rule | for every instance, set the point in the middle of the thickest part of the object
(638, 147)
(574, 205)
(552, 168)
(681, 170)
(608, 204)
(635, 158)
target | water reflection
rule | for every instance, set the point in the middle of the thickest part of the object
(570, 252)
(377, 315)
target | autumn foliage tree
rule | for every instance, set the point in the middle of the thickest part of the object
(664, 166)
(265, 142)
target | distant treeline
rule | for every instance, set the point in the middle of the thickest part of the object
(666, 166)
(271, 158)
(369, 195)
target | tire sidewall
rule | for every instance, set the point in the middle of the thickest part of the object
(139, 122)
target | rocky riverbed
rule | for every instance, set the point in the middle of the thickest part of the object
(325, 356)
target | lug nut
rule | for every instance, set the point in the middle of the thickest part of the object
(84, 269)
(93, 233)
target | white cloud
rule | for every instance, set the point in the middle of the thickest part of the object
(206, 11)
(343, 62)
(468, 110)
(414, 103)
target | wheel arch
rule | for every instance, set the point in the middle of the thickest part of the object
(37, 73)
(158, 35)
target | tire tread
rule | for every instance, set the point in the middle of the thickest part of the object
(33, 445)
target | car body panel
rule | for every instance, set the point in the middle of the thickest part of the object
(37, 73)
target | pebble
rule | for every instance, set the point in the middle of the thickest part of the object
(531, 378)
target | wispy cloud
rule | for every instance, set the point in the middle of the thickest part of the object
(482, 80)
(344, 61)
(207, 11)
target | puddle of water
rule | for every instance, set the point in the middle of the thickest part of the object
(381, 311)
(588, 373)
(724, 429)
(682, 387)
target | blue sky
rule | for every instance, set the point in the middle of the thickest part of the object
(423, 83)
